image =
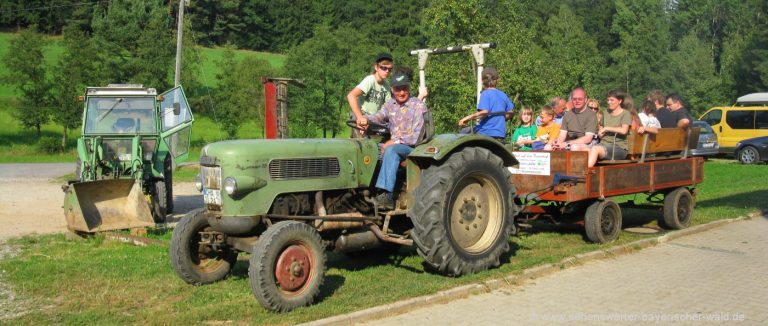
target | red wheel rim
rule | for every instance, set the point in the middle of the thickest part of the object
(293, 268)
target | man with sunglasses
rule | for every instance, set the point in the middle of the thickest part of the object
(368, 96)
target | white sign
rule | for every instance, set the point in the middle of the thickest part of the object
(532, 163)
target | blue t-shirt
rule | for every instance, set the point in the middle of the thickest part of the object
(495, 101)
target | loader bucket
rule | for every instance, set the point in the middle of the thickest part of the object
(104, 205)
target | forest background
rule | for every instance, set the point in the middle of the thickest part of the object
(708, 51)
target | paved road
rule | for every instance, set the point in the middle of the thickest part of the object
(712, 277)
(35, 170)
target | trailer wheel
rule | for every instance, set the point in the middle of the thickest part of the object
(464, 212)
(195, 263)
(287, 266)
(602, 221)
(678, 209)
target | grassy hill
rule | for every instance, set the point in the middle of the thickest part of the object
(20, 145)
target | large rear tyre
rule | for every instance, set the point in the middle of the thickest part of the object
(602, 221)
(287, 266)
(464, 212)
(678, 209)
(195, 263)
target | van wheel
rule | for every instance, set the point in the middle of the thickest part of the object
(749, 155)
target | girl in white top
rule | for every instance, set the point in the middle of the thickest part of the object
(648, 119)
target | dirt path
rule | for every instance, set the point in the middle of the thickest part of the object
(33, 205)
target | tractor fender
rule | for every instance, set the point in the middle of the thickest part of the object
(441, 146)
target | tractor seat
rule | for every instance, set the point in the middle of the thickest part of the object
(124, 125)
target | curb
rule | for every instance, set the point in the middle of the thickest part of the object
(464, 291)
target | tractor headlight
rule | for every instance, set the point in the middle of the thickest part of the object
(199, 183)
(230, 185)
(241, 185)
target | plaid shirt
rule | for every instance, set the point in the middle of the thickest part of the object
(404, 120)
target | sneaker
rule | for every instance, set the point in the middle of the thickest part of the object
(385, 200)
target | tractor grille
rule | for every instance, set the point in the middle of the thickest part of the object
(304, 168)
(211, 176)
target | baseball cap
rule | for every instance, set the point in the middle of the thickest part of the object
(383, 56)
(400, 79)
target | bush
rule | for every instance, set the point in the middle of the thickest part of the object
(49, 145)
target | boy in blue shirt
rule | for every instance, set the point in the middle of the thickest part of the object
(492, 110)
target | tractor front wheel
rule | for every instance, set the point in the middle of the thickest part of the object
(464, 212)
(287, 266)
(194, 262)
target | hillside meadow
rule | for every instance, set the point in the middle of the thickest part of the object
(20, 145)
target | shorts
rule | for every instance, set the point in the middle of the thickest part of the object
(615, 153)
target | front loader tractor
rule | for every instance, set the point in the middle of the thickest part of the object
(131, 140)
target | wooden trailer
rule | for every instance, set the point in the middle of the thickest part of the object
(553, 183)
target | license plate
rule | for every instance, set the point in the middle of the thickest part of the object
(709, 145)
(212, 196)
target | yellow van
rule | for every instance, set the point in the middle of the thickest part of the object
(748, 118)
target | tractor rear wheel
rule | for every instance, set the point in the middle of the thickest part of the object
(159, 201)
(168, 179)
(197, 263)
(464, 212)
(287, 266)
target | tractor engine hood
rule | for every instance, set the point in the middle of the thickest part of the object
(265, 168)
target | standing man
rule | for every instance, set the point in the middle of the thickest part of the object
(579, 125)
(404, 115)
(558, 105)
(675, 115)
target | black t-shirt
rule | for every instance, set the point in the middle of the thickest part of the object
(669, 119)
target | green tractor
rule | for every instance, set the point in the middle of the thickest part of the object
(131, 140)
(286, 201)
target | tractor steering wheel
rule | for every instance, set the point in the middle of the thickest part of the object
(374, 129)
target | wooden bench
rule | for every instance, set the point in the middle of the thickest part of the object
(676, 141)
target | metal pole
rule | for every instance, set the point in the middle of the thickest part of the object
(478, 53)
(179, 35)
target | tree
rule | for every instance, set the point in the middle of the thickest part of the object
(72, 74)
(239, 95)
(638, 64)
(155, 52)
(331, 63)
(27, 73)
(694, 75)
(572, 55)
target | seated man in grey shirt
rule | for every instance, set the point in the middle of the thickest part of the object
(579, 125)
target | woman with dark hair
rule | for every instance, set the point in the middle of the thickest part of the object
(613, 133)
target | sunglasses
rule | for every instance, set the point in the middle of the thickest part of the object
(383, 68)
(592, 107)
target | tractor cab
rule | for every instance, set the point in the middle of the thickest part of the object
(132, 137)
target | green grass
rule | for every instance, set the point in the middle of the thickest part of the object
(104, 282)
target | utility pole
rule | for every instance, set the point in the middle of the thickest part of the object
(179, 37)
